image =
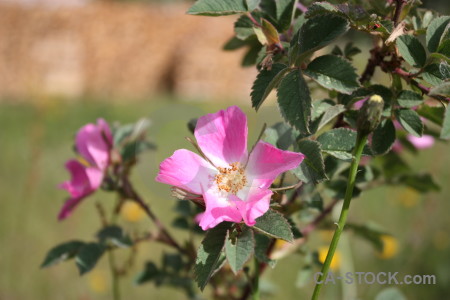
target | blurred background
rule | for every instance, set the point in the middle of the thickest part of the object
(65, 63)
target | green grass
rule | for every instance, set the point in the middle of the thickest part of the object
(36, 140)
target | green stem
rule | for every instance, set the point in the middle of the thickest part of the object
(114, 275)
(255, 285)
(360, 143)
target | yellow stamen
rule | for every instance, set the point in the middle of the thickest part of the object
(231, 179)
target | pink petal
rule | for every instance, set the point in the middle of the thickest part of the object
(256, 204)
(83, 180)
(68, 207)
(223, 136)
(104, 128)
(218, 210)
(424, 142)
(186, 170)
(94, 143)
(266, 162)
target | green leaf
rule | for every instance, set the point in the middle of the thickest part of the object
(330, 114)
(285, 11)
(281, 135)
(209, 254)
(320, 8)
(435, 74)
(115, 235)
(262, 244)
(319, 31)
(218, 8)
(409, 99)
(383, 137)
(131, 150)
(61, 253)
(149, 273)
(410, 121)
(443, 89)
(433, 113)
(369, 233)
(338, 187)
(243, 27)
(444, 48)
(273, 224)
(294, 101)
(435, 31)
(88, 257)
(312, 169)
(265, 82)
(422, 183)
(338, 142)
(445, 132)
(239, 249)
(390, 293)
(411, 50)
(252, 4)
(333, 72)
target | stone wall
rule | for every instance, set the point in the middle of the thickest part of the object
(118, 50)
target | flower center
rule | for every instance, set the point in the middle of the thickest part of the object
(231, 179)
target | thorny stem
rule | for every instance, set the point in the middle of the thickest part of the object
(114, 275)
(398, 10)
(305, 232)
(255, 285)
(360, 142)
(164, 235)
(250, 16)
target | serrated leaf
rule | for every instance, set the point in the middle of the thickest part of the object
(338, 142)
(333, 72)
(252, 4)
(150, 272)
(265, 82)
(319, 8)
(330, 114)
(115, 235)
(319, 31)
(435, 74)
(262, 244)
(445, 131)
(218, 8)
(433, 113)
(285, 10)
(410, 121)
(281, 135)
(444, 48)
(312, 169)
(61, 253)
(443, 89)
(273, 224)
(243, 27)
(209, 253)
(88, 256)
(383, 137)
(239, 249)
(435, 31)
(409, 99)
(294, 101)
(422, 183)
(369, 233)
(411, 50)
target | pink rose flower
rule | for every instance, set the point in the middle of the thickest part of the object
(93, 143)
(234, 185)
(423, 142)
